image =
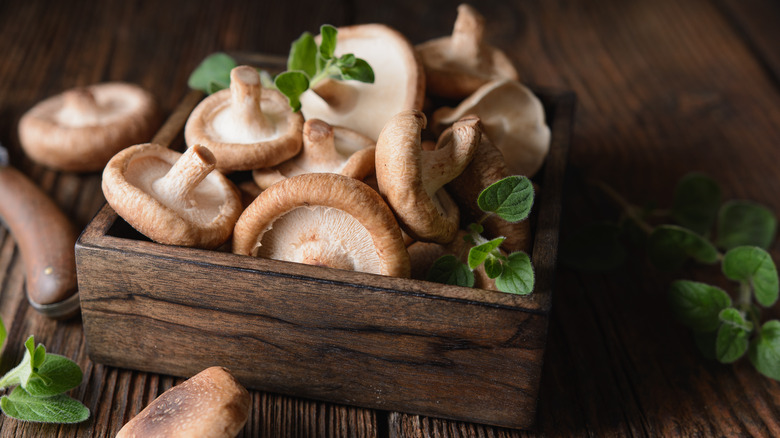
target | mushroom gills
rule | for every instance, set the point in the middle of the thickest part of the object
(322, 236)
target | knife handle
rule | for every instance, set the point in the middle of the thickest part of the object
(45, 236)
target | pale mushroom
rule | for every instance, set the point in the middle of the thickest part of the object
(513, 118)
(210, 404)
(326, 149)
(246, 126)
(486, 168)
(455, 66)
(399, 82)
(412, 179)
(323, 219)
(172, 198)
(81, 129)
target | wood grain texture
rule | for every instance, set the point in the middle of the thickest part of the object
(663, 87)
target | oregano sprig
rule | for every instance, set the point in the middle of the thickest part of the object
(511, 199)
(41, 380)
(727, 326)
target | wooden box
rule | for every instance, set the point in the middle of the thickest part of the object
(338, 336)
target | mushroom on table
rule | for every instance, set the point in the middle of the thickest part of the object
(246, 126)
(172, 198)
(81, 129)
(323, 219)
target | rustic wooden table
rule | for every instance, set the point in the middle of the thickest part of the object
(664, 87)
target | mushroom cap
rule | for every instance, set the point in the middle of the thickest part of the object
(326, 149)
(246, 126)
(323, 219)
(210, 404)
(411, 179)
(399, 81)
(203, 218)
(456, 65)
(81, 129)
(513, 118)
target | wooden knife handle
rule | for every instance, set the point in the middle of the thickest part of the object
(45, 236)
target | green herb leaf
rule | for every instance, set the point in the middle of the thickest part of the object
(753, 265)
(696, 201)
(56, 409)
(517, 276)
(732, 340)
(213, 73)
(669, 246)
(328, 40)
(510, 198)
(56, 375)
(448, 269)
(493, 267)
(745, 223)
(698, 305)
(476, 229)
(359, 71)
(594, 248)
(764, 350)
(303, 53)
(292, 84)
(478, 254)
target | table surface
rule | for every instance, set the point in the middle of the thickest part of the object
(664, 87)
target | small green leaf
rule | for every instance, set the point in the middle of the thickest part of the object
(698, 305)
(745, 223)
(517, 276)
(753, 265)
(493, 267)
(303, 55)
(328, 42)
(479, 253)
(732, 340)
(594, 248)
(39, 356)
(58, 374)
(213, 72)
(696, 201)
(360, 71)
(346, 61)
(476, 228)
(510, 198)
(292, 84)
(764, 350)
(448, 269)
(56, 409)
(669, 246)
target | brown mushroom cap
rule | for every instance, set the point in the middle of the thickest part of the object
(211, 404)
(513, 118)
(323, 219)
(247, 126)
(172, 198)
(455, 66)
(81, 129)
(399, 82)
(326, 149)
(412, 179)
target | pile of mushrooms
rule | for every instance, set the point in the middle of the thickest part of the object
(363, 184)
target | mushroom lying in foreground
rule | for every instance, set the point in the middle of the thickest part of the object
(81, 129)
(399, 82)
(513, 118)
(172, 198)
(455, 66)
(211, 404)
(247, 126)
(323, 219)
(412, 179)
(326, 149)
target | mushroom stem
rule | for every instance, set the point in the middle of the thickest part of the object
(319, 143)
(467, 33)
(246, 98)
(193, 166)
(79, 107)
(454, 150)
(340, 97)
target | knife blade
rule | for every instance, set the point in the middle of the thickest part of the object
(46, 239)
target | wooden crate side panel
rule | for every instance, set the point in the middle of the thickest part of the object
(342, 343)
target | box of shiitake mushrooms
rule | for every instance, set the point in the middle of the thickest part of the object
(328, 299)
